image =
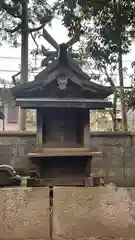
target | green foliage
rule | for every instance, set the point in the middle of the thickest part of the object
(109, 29)
(108, 15)
(108, 26)
(129, 94)
(130, 98)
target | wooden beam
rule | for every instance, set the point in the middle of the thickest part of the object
(37, 104)
(49, 39)
(86, 133)
(62, 54)
(65, 181)
(60, 100)
(75, 39)
(55, 53)
(57, 152)
(39, 139)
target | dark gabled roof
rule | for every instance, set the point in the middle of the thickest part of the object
(37, 81)
(56, 68)
(38, 78)
(77, 70)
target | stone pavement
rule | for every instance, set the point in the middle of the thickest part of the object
(102, 213)
(24, 213)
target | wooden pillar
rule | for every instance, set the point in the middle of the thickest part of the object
(86, 143)
(39, 129)
(86, 131)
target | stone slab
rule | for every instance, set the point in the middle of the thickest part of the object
(94, 213)
(24, 213)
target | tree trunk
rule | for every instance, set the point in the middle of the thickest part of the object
(24, 57)
(120, 65)
(1, 3)
(123, 107)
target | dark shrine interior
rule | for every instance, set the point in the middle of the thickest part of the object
(63, 166)
(63, 127)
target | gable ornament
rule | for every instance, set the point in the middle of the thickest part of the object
(62, 81)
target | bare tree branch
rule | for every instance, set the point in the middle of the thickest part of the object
(37, 28)
(34, 40)
(14, 78)
(14, 29)
(47, 19)
(109, 78)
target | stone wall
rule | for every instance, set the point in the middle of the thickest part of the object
(103, 213)
(14, 147)
(117, 163)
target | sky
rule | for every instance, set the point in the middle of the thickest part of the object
(10, 58)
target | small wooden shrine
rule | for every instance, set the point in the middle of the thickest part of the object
(63, 95)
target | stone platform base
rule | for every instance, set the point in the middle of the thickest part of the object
(46, 182)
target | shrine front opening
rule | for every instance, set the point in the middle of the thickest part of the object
(62, 127)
